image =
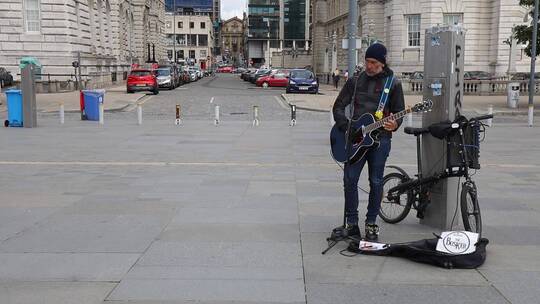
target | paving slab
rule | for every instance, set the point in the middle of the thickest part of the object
(54, 292)
(282, 291)
(32, 267)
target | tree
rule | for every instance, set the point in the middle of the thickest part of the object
(523, 33)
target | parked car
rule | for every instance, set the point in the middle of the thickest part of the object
(277, 79)
(142, 80)
(259, 74)
(301, 80)
(225, 69)
(245, 75)
(477, 75)
(524, 76)
(417, 75)
(6, 79)
(239, 70)
(165, 78)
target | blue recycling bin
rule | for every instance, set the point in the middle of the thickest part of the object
(92, 99)
(14, 108)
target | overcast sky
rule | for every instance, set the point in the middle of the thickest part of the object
(231, 8)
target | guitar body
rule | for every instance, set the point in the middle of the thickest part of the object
(361, 143)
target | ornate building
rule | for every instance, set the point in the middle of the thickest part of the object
(401, 25)
(232, 37)
(108, 35)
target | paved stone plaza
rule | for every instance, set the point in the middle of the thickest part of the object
(196, 213)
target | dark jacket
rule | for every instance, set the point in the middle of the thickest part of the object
(368, 94)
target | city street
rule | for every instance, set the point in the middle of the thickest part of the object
(233, 213)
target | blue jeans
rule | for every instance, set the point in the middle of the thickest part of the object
(376, 160)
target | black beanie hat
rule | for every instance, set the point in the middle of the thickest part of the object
(377, 51)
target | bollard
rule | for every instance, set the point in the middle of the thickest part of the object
(255, 116)
(101, 112)
(216, 118)
(139, 114)
(409, 120)
(62, 113)
(293, 116)
(530, 115)
(490, 112)
(332, 121)
(178, 120)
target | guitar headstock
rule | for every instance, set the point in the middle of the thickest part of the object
(423, 106)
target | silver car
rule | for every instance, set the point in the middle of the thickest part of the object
(165, 78)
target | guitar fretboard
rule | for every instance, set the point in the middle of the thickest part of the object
(378, 124)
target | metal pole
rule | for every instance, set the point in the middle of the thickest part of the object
(532, 85)
(178, 120)
(130, 34)
(268, 45)
(174, 31)
(61, 113)
(353, 30)
(79, 80)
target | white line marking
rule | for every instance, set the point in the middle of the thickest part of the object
(212, 100)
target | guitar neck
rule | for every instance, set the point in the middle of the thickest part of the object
(378, 124)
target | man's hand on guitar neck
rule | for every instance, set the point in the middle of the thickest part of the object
(390, 124)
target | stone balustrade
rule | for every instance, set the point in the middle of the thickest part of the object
(475, 87)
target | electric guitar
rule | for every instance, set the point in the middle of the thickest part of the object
(366, 135)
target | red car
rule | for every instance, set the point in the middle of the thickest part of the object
(142, 80)
(275, 80)
(225, 69)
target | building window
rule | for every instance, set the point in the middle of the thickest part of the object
(203, 25)
(202, 54)
(192, 25)
(31, 15)
(192, 54)
(203, 40)
(169, 54)
(180, 24)
(452, 19)
(191, 39)
(180, 54)
(413, 30)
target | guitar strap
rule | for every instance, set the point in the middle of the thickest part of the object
(384, 97)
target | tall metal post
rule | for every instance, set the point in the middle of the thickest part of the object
(79, 81)
(532, 84)
(174, 31)
(353, 30)
(130, 20)
(443, 84)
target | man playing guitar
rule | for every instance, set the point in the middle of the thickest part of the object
(378, 92)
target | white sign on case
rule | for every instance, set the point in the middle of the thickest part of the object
(457, 242)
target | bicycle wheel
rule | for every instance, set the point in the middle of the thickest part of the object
(394, 209)
(470, 211)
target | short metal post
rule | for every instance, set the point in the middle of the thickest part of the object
(332, 121)
(490, 112)
(216, 118)
(178, 120)
(139, 114)
(101, 112)
(61, 113)
(256, 120)
(293, 116)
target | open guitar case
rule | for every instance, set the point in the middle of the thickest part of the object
(424, 251)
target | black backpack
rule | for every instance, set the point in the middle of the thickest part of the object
(423, 251)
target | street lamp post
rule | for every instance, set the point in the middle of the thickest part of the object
(268, 43)
(532, 86)
(174, 31)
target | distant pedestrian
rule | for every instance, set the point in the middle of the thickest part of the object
(346, 75)
(335, 77)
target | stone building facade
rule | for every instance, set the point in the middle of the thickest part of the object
(194, 39)
(232, 39)
(401, 25)
(109, 35)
